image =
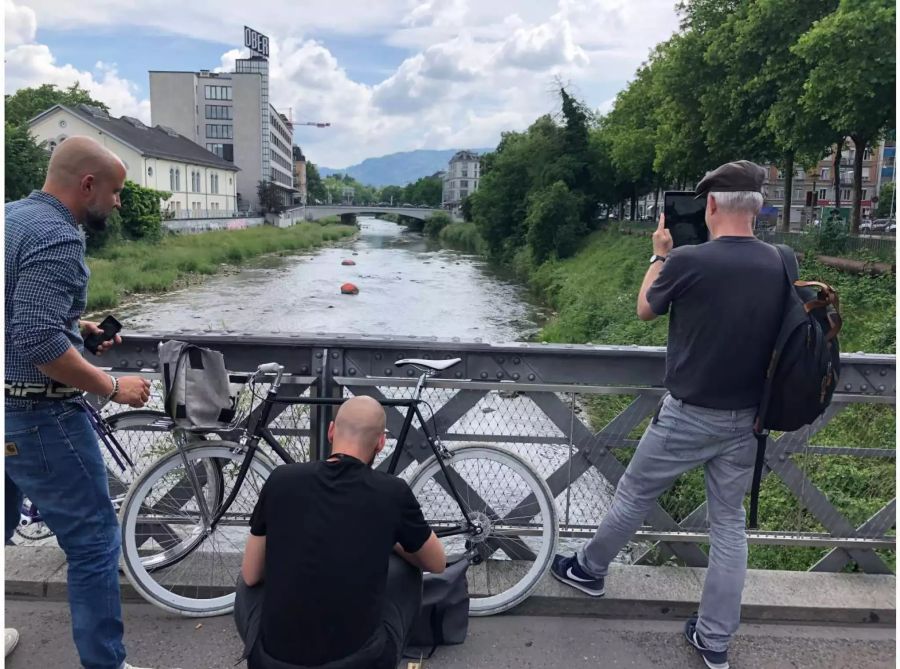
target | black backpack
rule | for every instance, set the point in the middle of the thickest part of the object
(805, 364)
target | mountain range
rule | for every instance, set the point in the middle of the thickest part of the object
(398, 169)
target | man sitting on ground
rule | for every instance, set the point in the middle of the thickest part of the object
(332, 572)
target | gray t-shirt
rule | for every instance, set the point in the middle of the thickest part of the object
(726, 298)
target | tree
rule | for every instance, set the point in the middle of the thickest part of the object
(630, 129)
(887, 203)
(26, 103)
(554, 225)
(140, 213)
(315, 189)
(437, 222)
(466, 208)
(26, 162)
(391, 194)
(851, 82)
(427, 191)
(269, 197)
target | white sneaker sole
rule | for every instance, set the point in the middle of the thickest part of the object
(578, 586)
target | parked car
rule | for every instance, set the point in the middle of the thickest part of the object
(892, 228)
(867, 225)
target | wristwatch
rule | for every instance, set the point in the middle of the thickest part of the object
(655, 257)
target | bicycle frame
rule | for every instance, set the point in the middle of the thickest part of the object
(260, 431)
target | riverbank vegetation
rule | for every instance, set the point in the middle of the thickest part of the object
(130, 267)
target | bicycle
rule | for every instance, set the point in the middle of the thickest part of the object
(139, 422)
(186, 507)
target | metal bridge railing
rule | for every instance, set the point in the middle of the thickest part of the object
(576, 413)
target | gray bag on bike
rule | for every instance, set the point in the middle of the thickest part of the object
(196, 385)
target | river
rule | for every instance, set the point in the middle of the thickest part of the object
(406, 287)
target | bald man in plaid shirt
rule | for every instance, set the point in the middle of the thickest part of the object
(52, 454)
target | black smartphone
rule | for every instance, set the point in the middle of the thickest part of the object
(110, 327)
(686, 217)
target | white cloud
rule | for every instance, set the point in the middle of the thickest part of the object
(21, 24)
(30, 64)
(543, 46)
(471, 69)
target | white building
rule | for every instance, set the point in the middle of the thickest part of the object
(202, 184)
(231, 115)
(461, 179)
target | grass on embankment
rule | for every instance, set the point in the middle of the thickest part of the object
(463, 236)
(141, 267)
(594, 295)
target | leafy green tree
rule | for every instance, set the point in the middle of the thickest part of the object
(140, 215)
(315, 189)
(26, 103)
(269, 197)
(852, 78)
(630, 129)
(26, 162)
(466, 208)
(437, 222)
(886, 200)
(554, 225)
(427, 191)
(391, 195)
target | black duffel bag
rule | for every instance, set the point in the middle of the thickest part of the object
(443, 619)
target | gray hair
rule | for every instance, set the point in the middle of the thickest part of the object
(739, 202)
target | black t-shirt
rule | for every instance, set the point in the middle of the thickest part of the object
(726, 298)
(330, 528)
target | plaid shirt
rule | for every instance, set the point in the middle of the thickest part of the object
(46, 286)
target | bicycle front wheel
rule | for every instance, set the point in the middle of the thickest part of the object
(512, 508)
(171, 555)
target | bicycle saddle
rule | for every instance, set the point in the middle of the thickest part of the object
(436, 365)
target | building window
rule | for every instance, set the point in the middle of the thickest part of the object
(865, 194)
(823, 193)
(214, 183)
(177, 179)
(218, 92)
(172, 179)
(219, 131)
(825, 171)
(779, 193)
(865, 173)
(867, 154)
(149, 171)
(217, 149)
(845, 194)
(219, 112)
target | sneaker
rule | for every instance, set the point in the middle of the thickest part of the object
(567, 570)
(11, 637)
(714, 659)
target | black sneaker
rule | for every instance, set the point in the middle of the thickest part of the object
(567, 570)
(714, 659)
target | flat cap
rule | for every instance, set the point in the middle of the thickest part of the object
(741, 175)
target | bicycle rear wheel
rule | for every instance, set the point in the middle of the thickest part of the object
(514, 508)
(169, 554)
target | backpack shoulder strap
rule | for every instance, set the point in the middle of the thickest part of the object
(791, 273)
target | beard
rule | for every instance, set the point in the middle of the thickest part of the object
(95, 221)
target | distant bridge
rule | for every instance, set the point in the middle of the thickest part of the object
(315, 212)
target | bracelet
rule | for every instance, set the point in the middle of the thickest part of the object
(115, 388)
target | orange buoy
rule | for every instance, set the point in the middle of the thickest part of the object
(348, 262)
(349, 289)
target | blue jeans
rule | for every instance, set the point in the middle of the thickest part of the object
(53, 457)
(680, 438)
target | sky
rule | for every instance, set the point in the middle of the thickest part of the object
(389, 75)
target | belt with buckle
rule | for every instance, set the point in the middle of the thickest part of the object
(40, 391)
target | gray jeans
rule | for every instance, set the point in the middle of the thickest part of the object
(680, 438)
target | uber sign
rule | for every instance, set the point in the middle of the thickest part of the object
(256, 42)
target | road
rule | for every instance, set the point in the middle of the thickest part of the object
(163, 641)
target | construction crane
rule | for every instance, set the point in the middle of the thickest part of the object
(317, 124)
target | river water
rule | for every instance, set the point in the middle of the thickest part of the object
(406, 287)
